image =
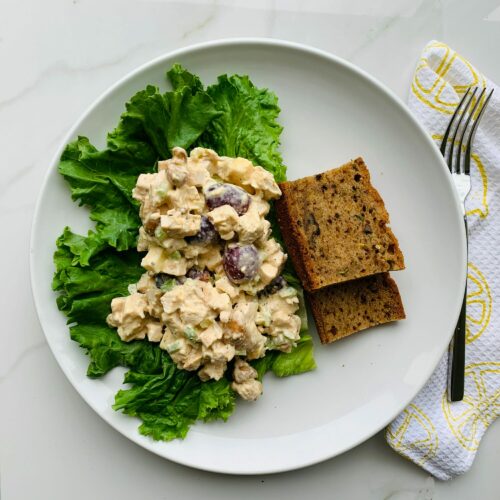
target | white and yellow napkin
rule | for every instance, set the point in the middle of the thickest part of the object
(440, 436)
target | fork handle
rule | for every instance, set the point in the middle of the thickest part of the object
(456, 361)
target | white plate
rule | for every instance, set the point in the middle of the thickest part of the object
(331, 112)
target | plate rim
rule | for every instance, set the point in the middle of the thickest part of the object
(241, 41)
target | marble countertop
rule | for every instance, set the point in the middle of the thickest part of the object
(57, 57)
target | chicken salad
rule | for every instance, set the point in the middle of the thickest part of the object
(212, 291)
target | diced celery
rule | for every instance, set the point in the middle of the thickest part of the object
(287, 292)
(190, 334)
(160, 233)
(168, 285)
(174, 346)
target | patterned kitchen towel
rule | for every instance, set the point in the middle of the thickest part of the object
(440, 436)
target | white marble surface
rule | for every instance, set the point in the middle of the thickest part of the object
(56, 57)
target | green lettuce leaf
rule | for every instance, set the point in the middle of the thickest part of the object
(172, 119)
(86, 291)
(300, 360)
(247, 125)
(169, 402)
(106, 191)
(79, 249)
(282, 364)
(180, 77)
(106, 350)
(236, 119)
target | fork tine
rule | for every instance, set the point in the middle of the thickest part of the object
(458, 166)
(452, 145)
(468, 149)
(448, 129)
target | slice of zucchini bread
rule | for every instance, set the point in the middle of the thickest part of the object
(343, 309)
(335, 227)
